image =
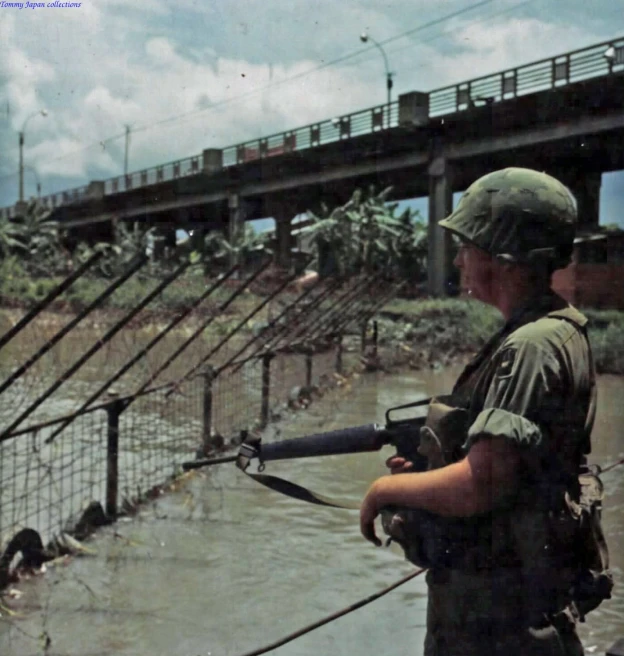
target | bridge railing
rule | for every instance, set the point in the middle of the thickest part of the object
(551, 73)
(154, 175)
(542, 75)
(331, 130)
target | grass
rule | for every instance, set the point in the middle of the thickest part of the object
(464, 326)
(439, 326)
(19, 289)
(445, 323)
(606, 333)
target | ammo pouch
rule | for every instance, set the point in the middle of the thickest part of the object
(428, 539)
(558, 537)
(593, 581)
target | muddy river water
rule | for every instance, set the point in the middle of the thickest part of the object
(221, 566)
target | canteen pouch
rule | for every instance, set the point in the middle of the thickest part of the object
(594, 580)
(559, 540)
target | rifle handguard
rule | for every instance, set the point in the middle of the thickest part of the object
(356, 439)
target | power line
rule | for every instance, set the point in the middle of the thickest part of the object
(447, 32)
(322, 66)
(288, 80)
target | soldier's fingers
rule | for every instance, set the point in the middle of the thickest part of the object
(368, 513)
(394, 461)
(367, 528)
(398, 465)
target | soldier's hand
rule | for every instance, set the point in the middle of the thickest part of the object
(399, 465)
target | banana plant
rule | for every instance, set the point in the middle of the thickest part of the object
(365, 235)
(12, 238)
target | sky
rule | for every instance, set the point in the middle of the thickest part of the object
(195, 74)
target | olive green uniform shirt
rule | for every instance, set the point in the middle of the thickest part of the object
(534, 384)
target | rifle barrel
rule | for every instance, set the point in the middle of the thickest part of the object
(206, 462)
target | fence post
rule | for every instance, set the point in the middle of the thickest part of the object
(364, 329)
(208, 377)
(375, 339)
(266, 388)
(339, 354)
(113, 411)
(308, 366)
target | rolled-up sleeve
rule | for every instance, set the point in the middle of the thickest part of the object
(524, 396)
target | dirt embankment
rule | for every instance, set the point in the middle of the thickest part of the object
(438, 333)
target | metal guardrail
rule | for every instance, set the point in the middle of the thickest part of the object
(551, 73)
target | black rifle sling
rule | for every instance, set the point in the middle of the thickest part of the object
(250, 450)
(299, 492)
(294, 490)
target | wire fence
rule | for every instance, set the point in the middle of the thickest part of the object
(193, 394)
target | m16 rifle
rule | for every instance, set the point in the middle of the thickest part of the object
(421, 535)
(403, 434)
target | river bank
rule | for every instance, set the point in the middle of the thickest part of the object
(413, 333)
(436, 333)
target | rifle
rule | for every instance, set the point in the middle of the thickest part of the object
(403, 434)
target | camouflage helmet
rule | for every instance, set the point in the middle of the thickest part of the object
(517, 215)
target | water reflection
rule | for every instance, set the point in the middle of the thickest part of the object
(223, 566)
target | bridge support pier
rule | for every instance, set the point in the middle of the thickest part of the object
(439, 259)
(283, 212)
(164, 243)
(235, 226)
(283, 238)
(586, 188)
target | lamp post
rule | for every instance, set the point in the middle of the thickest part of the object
(41, 112)
(37, 179)
(365, 38)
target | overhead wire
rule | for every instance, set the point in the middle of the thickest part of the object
(322, 66)
(259, 89)
(445, 33)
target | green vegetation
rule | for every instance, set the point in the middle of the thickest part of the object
(439, 331)
(434, 332)
(34, 259)
(364, 235)
(19, 288)
(606, 332)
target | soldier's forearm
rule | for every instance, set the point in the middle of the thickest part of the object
(471, 486)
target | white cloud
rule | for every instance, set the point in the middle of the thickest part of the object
(101, 68)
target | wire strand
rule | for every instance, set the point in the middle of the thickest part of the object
(272, 85)
(334, 616)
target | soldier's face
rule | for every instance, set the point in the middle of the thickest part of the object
(477, 272)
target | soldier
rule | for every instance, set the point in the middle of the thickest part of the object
(504, 558)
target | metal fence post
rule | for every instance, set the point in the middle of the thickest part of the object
(266, 388)
(113, 412)
(208, 377)
(375, 334)
(339, 354)
(308, 365)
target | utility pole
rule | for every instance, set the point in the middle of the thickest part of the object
(126, 150)
(41, 112)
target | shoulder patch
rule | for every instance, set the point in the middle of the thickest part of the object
(506, 362)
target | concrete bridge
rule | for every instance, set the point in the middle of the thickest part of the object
(563, 115)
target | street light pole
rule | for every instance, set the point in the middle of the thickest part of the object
(43, 112)
(37, 179)
(21, 166)
(365, 38)
(126, 150)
